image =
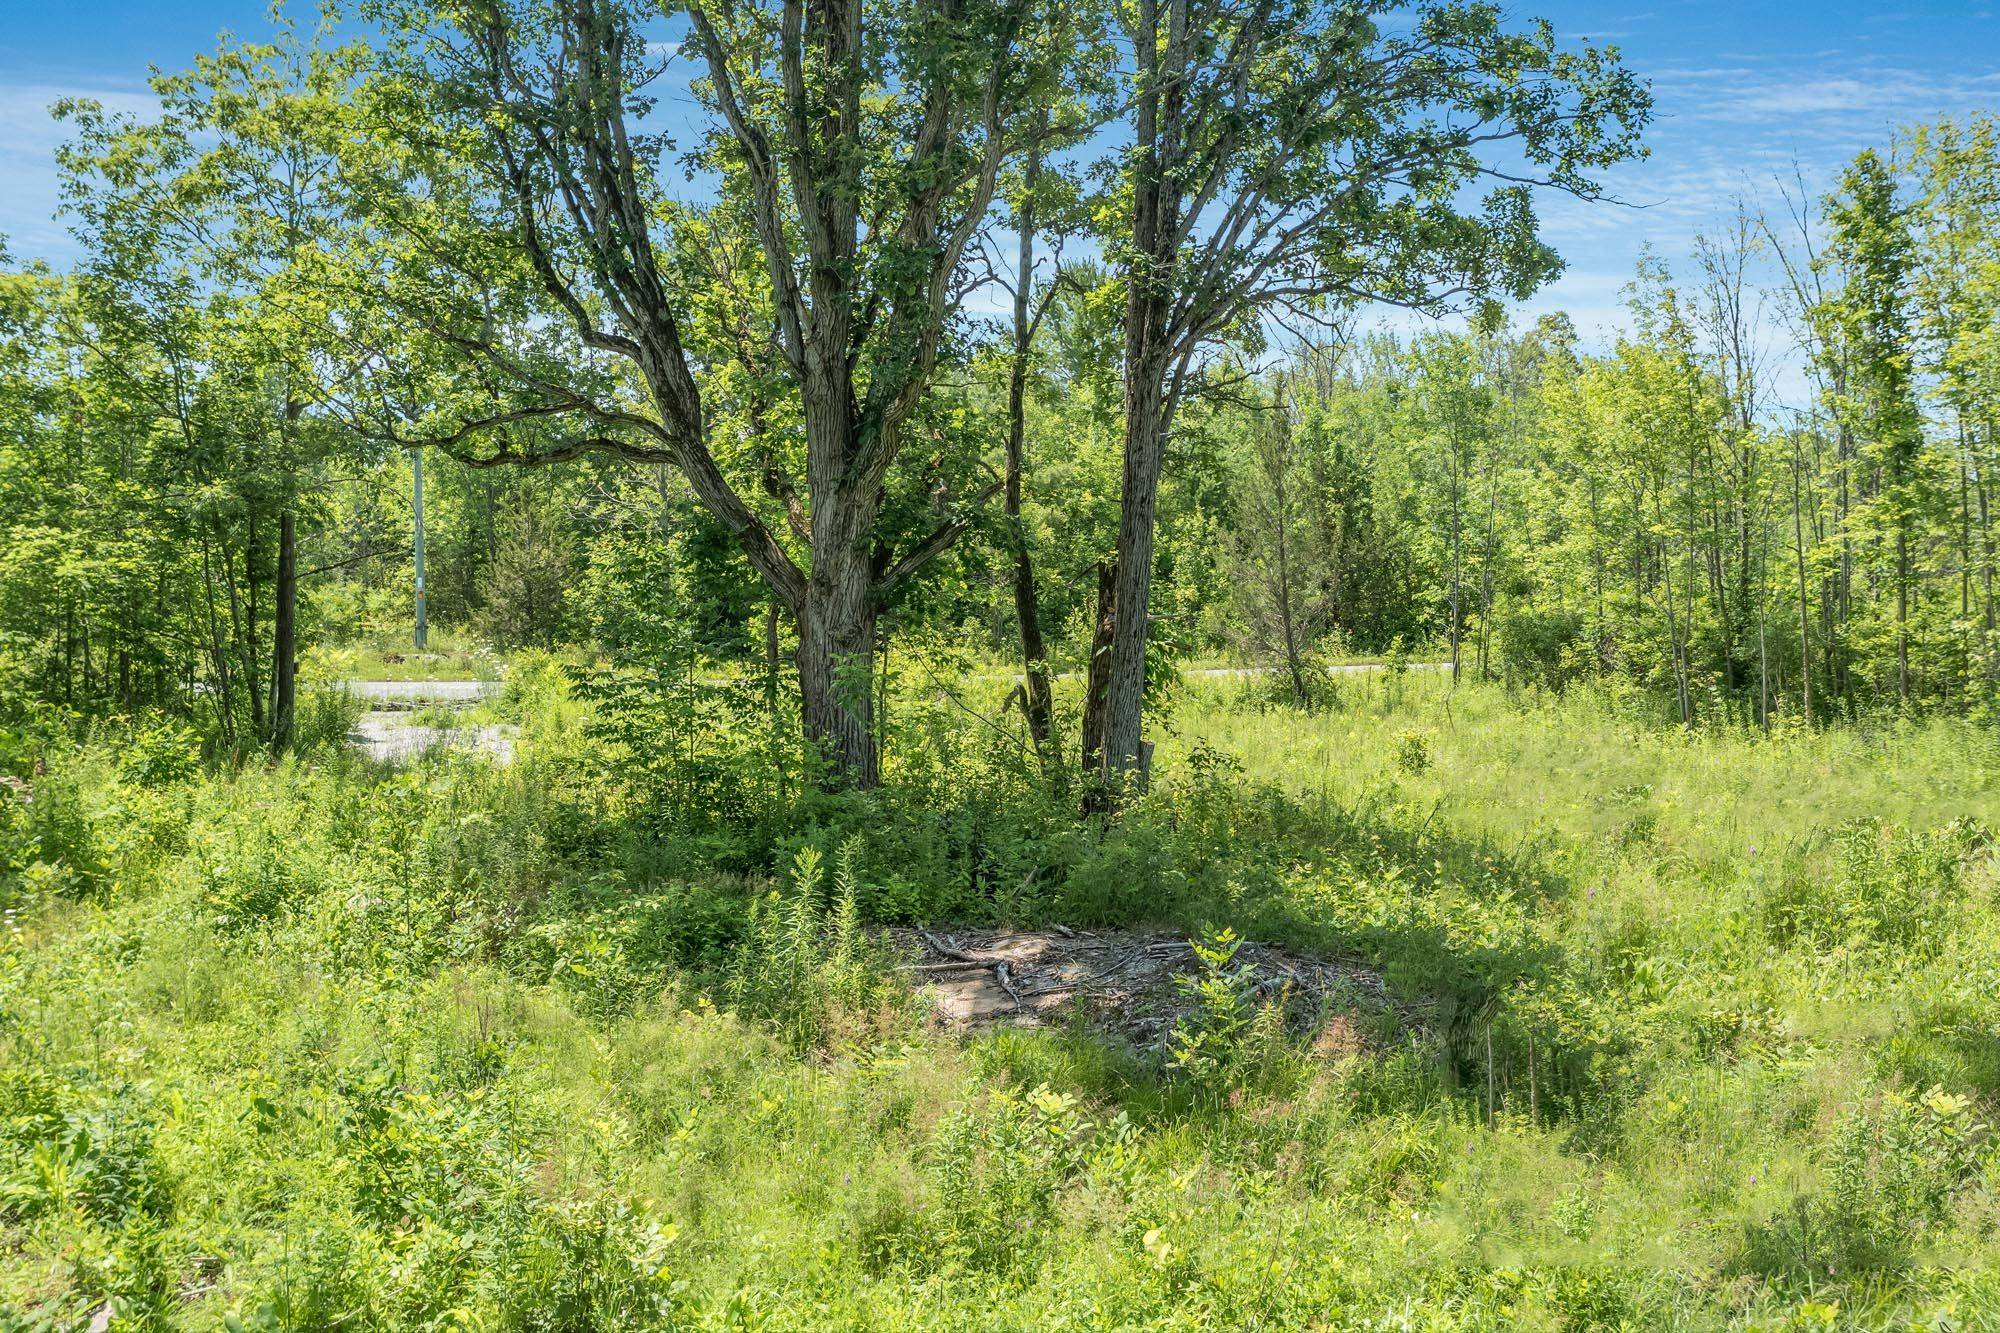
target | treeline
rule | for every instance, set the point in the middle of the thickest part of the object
(1774, 496)
(466, 232)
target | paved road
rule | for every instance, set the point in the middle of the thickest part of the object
(423, 691)
(387, 733)
(392, 738)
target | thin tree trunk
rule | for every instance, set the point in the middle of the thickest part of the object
(1903, 612)
(1676, 652)
(1805, 615)
(284, 646)
(1039, 695)
(1300, 695)
(1457, 561)
(1126, 688)
(1097, 671)
(1486, 572)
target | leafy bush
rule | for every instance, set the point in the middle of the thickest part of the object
(1889, 1171)
(1891, 887)
(1228, 1037)
(997, 1170)
(50, 842)
(1544, 647)
(324, 718)
(255, 878)
(73, 1147)
(1413, 752)
(160, 755)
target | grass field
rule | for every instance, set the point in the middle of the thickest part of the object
(1702, 1031)
(388, 655)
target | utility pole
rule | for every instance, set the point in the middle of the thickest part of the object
(417, 469)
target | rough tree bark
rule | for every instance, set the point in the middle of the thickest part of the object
(1155, 243)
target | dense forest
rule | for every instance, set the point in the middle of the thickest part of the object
(916, 491)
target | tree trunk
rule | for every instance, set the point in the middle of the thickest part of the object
(1486, 573)
(1903, 611)
(1039, 704)
(1126, 689)
(1150, 282)
(1286, 623)
(836, 661)
(1097, 673)
(1805, 616)
(284, 645)
(1457, 562)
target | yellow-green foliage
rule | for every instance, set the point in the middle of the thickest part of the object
(1700, 1032)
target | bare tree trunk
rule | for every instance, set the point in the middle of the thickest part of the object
(1486, 572)
(1964, 525)
(836, 661)
(1144, 431)
(1287, 623)
(1843, 595)
(1150, 280)
(1457, 562)
(1987, 561)
(1903, 611)
(1676, 651)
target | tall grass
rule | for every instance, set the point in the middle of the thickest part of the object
(1698, 1032)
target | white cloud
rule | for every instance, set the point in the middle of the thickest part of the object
(30, 191)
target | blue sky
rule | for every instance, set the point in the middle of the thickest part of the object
(1745, 89)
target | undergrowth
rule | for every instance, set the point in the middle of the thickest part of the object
(1687, 1031)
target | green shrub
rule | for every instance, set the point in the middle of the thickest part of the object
(1548, 648)
(255, 877)
(323, 719)
(160, 755)
(806, 969)
(1890, 886)
(1889, 1171)
(996, 1171)
(1229, 1037)
(77, 1148)
(50, 842)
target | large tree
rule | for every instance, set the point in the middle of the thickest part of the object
(1291, 155)
(859, 143)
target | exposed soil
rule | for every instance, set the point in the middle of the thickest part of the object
(1131, 983)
